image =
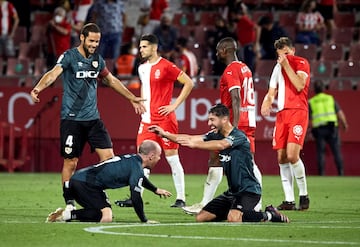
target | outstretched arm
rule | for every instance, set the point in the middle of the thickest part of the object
(213, 145)
(150, 186)
(46, 80)
(119, 87)
(191, 141)
(173, 137)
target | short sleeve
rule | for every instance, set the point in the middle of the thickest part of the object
(64, 60)
(173, 71)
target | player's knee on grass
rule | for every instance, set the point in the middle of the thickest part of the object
(106, 215)
(234, 215)
(205, 216)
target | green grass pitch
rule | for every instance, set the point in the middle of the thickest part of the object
(26, 199)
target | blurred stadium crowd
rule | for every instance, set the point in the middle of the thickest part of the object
(335, 59)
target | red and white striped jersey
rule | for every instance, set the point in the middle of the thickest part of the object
(188, 60)
(7, 13)
(238, 75)
(157, 84)
(309, 20)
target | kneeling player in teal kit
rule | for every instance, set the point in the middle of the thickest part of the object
(88, 184)
(238, 202)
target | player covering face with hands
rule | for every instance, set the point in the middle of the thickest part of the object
(289, 83)
(244, 191)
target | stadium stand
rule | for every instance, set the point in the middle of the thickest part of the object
(208, 18)
(307, 51)
(287, 18)
(273, 3)
(322, 69)
(184, 19)
(39, 67)
(257, 14)
(20, 36)
(217, 3)
(342, 85)
(18, 67)
(354, 52)
(193, 20)
(332, 52)
(264, 68)
(348, 69)
(344, 35)
(23, 51)
(344, 19)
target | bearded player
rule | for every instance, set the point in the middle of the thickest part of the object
(80, 68)
(238, 95)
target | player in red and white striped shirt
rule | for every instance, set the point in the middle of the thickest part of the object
(9, 23)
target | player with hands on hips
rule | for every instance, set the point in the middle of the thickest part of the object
(158, 76)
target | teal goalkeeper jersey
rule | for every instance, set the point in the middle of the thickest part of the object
(79, 78)
(117, 172)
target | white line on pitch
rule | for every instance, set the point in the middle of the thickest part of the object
(103, 230)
